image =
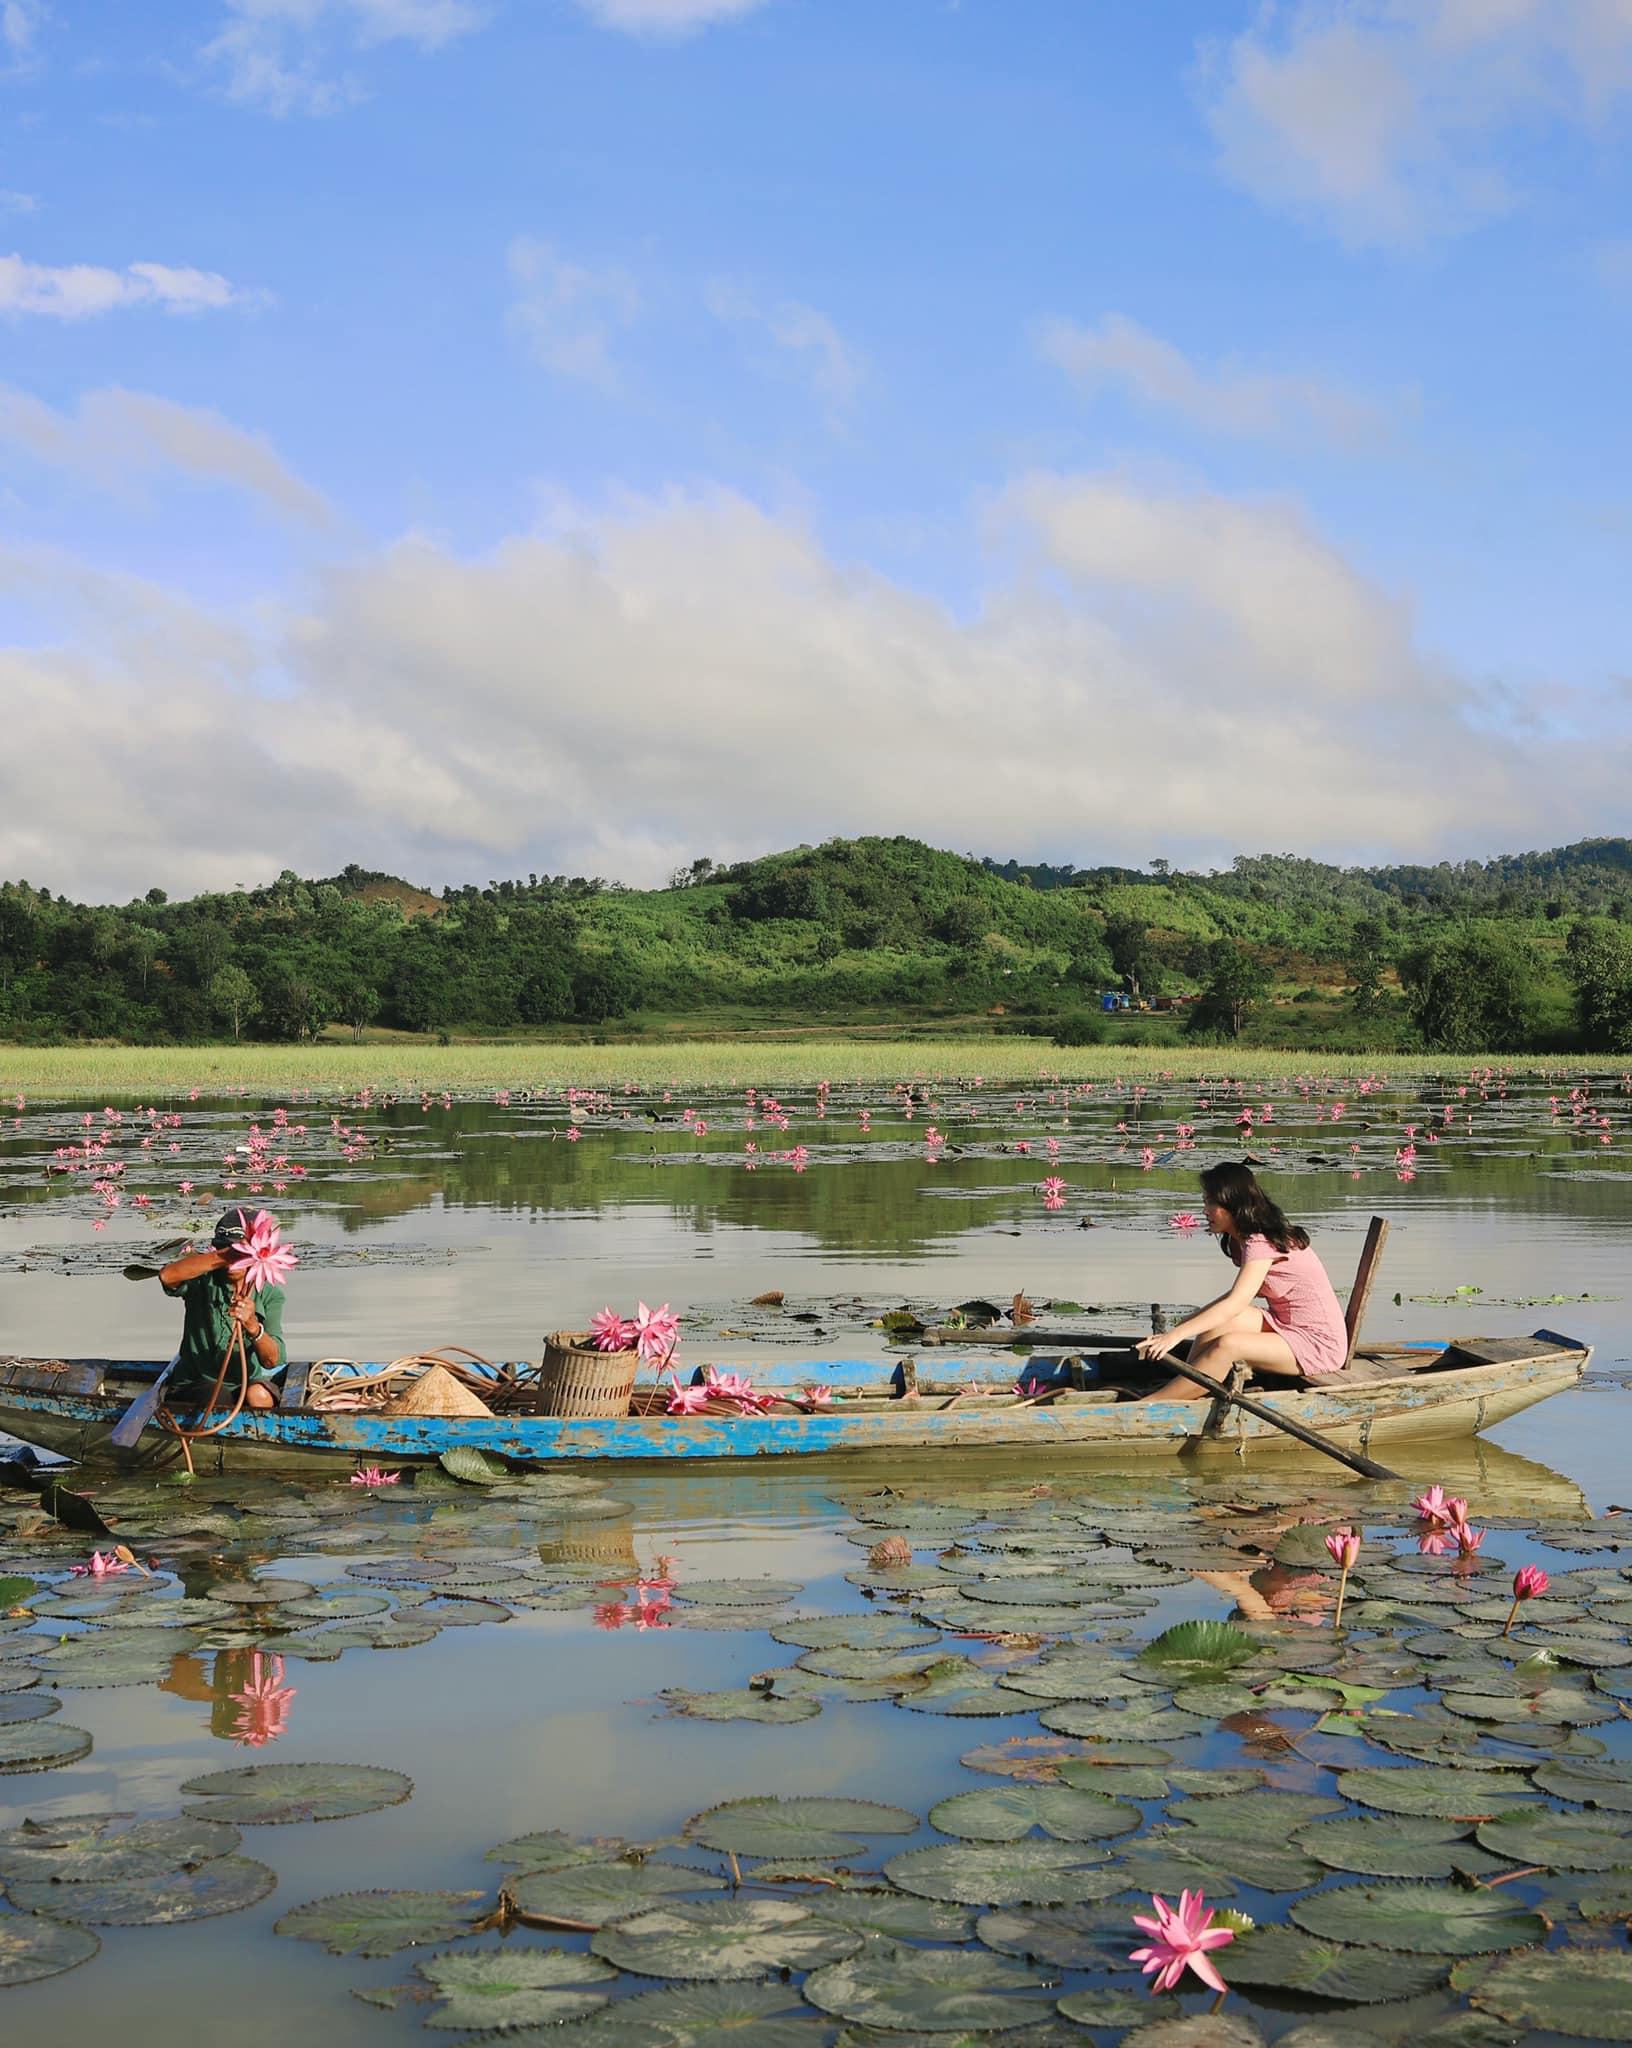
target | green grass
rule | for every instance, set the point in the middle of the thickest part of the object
(92, 1072)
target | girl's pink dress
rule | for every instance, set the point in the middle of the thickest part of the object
(1299, 1305)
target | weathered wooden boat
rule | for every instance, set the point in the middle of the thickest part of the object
(1392, 1395)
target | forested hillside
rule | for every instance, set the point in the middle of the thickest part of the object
(1529, 951)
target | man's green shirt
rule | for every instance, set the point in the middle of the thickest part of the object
(206, 1329)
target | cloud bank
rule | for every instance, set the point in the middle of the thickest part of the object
(83, 291)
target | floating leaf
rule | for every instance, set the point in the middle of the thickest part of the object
(258, 1592)
(380, 1923)
(84, 1847)
(1196, 1647)
(225, 1884)
(909, 1919)
(598, 1892)
(1289, 1961)
(1607, 1783)
(723, 1938)
(27, 1706)
(1586, 1993)
(31, 1948)
(796, 1827)
(937, 1990)
(553, 1850)
(132, 1657)
(1562, 1841)
(1029, 1873)
(1068, 1937)
(855, 1632)
(514, 1987)
(1106, 2007)
(708, 2016)
(409, 1570)
(1421, 1919)
(41, 1746)
(744, 1704)
(1398, 1845)
(475, 1467)
(956, 1686)
(1003, 1813)
(1132, 1723)
(267, 1795)
(1200, 2030)
(335, 1607)
(1437, 1791)
(739, 1592)
(1268, 1817)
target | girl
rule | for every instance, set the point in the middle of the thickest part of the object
(1300, 1332)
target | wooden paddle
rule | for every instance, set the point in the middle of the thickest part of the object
(1356, 1462)
(142, 1410)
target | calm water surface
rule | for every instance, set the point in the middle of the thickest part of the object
(486, 1223)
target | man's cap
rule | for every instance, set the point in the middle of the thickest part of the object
(232, 1229)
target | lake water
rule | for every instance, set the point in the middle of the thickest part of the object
(485, 1223)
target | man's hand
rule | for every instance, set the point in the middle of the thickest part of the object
(243, 1313)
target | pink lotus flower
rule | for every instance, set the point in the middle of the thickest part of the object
(1343, 1547)
(1436, 1541)
(610, 1332)
(263, 1703)
(1053, 1185)
(1431, 1506)
(817, 1397)
(100, 1567)
(657, 1332)
(265, 1260)
(1529, 1583)
(372, 1476)
(1184, 1221)
(689, 1400)
(1467, 1540)
(1180, 1940)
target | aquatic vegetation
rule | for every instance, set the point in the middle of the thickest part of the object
(1182, 1938)
(1529, 1583)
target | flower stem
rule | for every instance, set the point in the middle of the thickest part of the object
(1512, 1617)
(1342, 1588)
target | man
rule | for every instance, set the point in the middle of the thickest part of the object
(214, 1305)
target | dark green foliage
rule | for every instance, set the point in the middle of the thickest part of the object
(1081, 1027)
(1598, 955)
(1473, 989)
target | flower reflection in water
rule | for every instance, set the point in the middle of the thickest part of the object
(262, 1703)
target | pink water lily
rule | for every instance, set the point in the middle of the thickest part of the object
(1467, 1540)
(610, 1332)
(1529, 1583)
(1343, 1547)
(1432, 1505)
(263, 1702)
(689, 1400)
(1184, 1220)
(264, 1259)
(817, 1397)
(1180, 1940)
(657, 1332)
(372, 1476)
(100, 1567)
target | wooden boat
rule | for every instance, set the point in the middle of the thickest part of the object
(1392, 1395)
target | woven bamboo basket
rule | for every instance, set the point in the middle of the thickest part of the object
(575, 1379)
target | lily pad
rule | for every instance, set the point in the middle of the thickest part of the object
(1200, 2030)
(1395, 1845)
(1004, 1813)
(1067, 1937)
(796, 1827)
(1289, 1961)
(224, 1884)
(41, 1746)
(956, 1686)
(258, 1592)
(1200, 1648)
(552, 1850)
(131, 1657)
(1562, 1841)
(1106, 2007)
(409, 1570)
(514, 1987)
(739, 1592)
(722, 1938)
(27, 1706)
(854, 1632)
(1255, 1816)
(1606, 1784)
(892, 1913)
(335, 1607)
(1436, 1791)
(928, 1990)
(381, 1923)
(709, 2016)
(1028, 1873)
(32, 1948)
(744, 1704)
(1586, 1993)
(598, 1892)
(1420, 1919)
(268, 1795)
(89, 1848)
(1135, 1722)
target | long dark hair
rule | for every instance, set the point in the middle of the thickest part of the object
(1234, 1186)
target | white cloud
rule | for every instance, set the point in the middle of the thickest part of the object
(80, 291)
(1384, 118)
(807, 337)
(666, 17)
(1119, 354)
(17, 202)
(567, 314)
(279, 55)
(688, 673)
(20, 24)
(118, 436)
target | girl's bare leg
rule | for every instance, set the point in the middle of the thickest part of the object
(1246, 1342)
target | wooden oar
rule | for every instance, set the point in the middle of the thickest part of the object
(1366, 1467)
(142, 1410)
(1072, 1340)
(141, 1272)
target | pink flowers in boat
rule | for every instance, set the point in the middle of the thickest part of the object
(610, 1332)
(654, 1333)
(371, 1476)
(1181, 1938)
(816, 1397)
(263, 1260)
(689, 1400)
(1529, 1583)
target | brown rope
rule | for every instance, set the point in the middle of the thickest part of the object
(189, 1435)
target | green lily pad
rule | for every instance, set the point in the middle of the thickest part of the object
(873, 1664)
(1116, 1781)
(381, 1923)
(41, 1746)
(514, 1987)
(1420, 1919)
(1004, 1813)
(268, 1795)
(892, 1913)
(1607, 1784)
(1436, 1791)
(335, 1607)
(708, 2016)
(597, 1892)
(1082, 1672)
(1026, 1873)
(1170, 1858)
(955, 1686)
(1067, 1937)
(722, 1938)
(131, 1657)
(1270, 1817)
(1200, 2030)
(855, 1632)
(744, 1704)
(409, 1570)
(1211, 1784)
(1216, 1699)
(739, 1592)
(1395, 1845)
(1200, 1648)
(796, 1827)
(88, 1848)
(32, 1948)
(259, 1592)
(1289, 1961)
(225, 1884)
(1586, 1993)
(1106, 2007)
(1562, 1841)
(931, 1990)
(553, 1850)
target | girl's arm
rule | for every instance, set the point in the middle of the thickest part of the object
(1217, 1315)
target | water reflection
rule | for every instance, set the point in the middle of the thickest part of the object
(249, 1701)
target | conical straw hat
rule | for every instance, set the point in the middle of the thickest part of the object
(437, 1392)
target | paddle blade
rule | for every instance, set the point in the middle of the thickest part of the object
(141, 1411)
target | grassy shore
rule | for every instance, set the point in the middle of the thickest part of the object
(92, 1072)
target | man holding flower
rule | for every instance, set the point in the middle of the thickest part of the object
(218, 1296)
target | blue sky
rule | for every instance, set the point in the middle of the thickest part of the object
(471, 436)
